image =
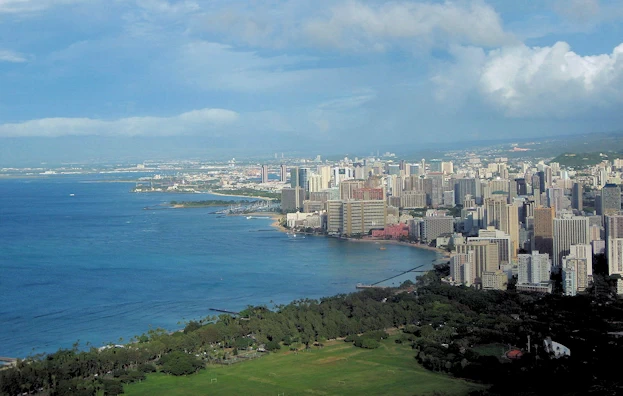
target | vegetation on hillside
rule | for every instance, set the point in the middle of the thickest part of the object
(582, 160)
(446, 326)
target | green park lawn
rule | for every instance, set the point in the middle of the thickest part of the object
(337, 369)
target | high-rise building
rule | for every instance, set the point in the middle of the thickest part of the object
(615, 256)
(335, 217)
(520, 186)
(292, 199)
(325, 172)
(315, 183)
(434, 226)
(368, 194)
(543, 240)
(294, 177)
(437, 188)
(482, 256)
(264, 173)
(575, 274)
(460, 269)
(584, 252)
(359, 217)
(569, 230)
(501, 240)
(348, 187)
(283, 173)
(555, 197)
(413, 199)
(463, 187)
(533, 268)
(494, 280)
(576, 196)
(610, 199)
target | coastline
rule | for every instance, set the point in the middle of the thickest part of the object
(441, 252)
(276, 217)
(239, 196)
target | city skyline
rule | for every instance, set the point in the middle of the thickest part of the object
(96, 78)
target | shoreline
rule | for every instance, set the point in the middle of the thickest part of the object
(441, 252)
(276, 217)
(239, 196)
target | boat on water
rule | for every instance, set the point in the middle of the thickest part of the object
(382, 248)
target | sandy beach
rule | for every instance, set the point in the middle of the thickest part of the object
(275, 216)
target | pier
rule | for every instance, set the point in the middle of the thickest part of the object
(225, 311)
(375, 284)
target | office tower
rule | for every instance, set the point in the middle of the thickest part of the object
(292, 199)
(576, 196)
(533, 268)
(543, 230)
(347, 188)
(413, 199)
(482, 255)
(283, 173)
(294, 177)
(434, 226)
(359, 217)
(360, 172)
(542, 184)
(520, 187)
(569, 230)
(264, 173)
(463, 187)
(304, 174)
(555, 197)
(548, 177)
(610, 199)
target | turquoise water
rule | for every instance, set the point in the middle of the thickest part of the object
(97, 266)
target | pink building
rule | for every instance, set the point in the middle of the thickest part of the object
(392, 232)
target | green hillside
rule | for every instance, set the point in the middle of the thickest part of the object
(580, 160)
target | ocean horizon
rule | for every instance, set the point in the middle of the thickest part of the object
(83, 260)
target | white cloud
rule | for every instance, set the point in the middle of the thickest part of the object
(363, 26)
(524, 81)
(12, 56)
(204, 121)
(28, 6)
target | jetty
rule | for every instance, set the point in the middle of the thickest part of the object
(375, 284)
(7, 361)
(225, 311)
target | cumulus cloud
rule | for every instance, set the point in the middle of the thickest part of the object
(203, 121)
(12, 56)
(524, 81)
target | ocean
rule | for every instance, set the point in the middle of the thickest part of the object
(83, 260)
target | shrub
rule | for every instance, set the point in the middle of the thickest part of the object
(272, 345)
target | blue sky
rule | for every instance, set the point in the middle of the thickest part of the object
(105, 76)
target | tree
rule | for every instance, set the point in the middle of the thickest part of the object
(180, 363)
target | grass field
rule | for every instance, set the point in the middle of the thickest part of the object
(496, 350)
(336, 369)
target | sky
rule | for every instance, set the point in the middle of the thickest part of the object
(97, 79)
